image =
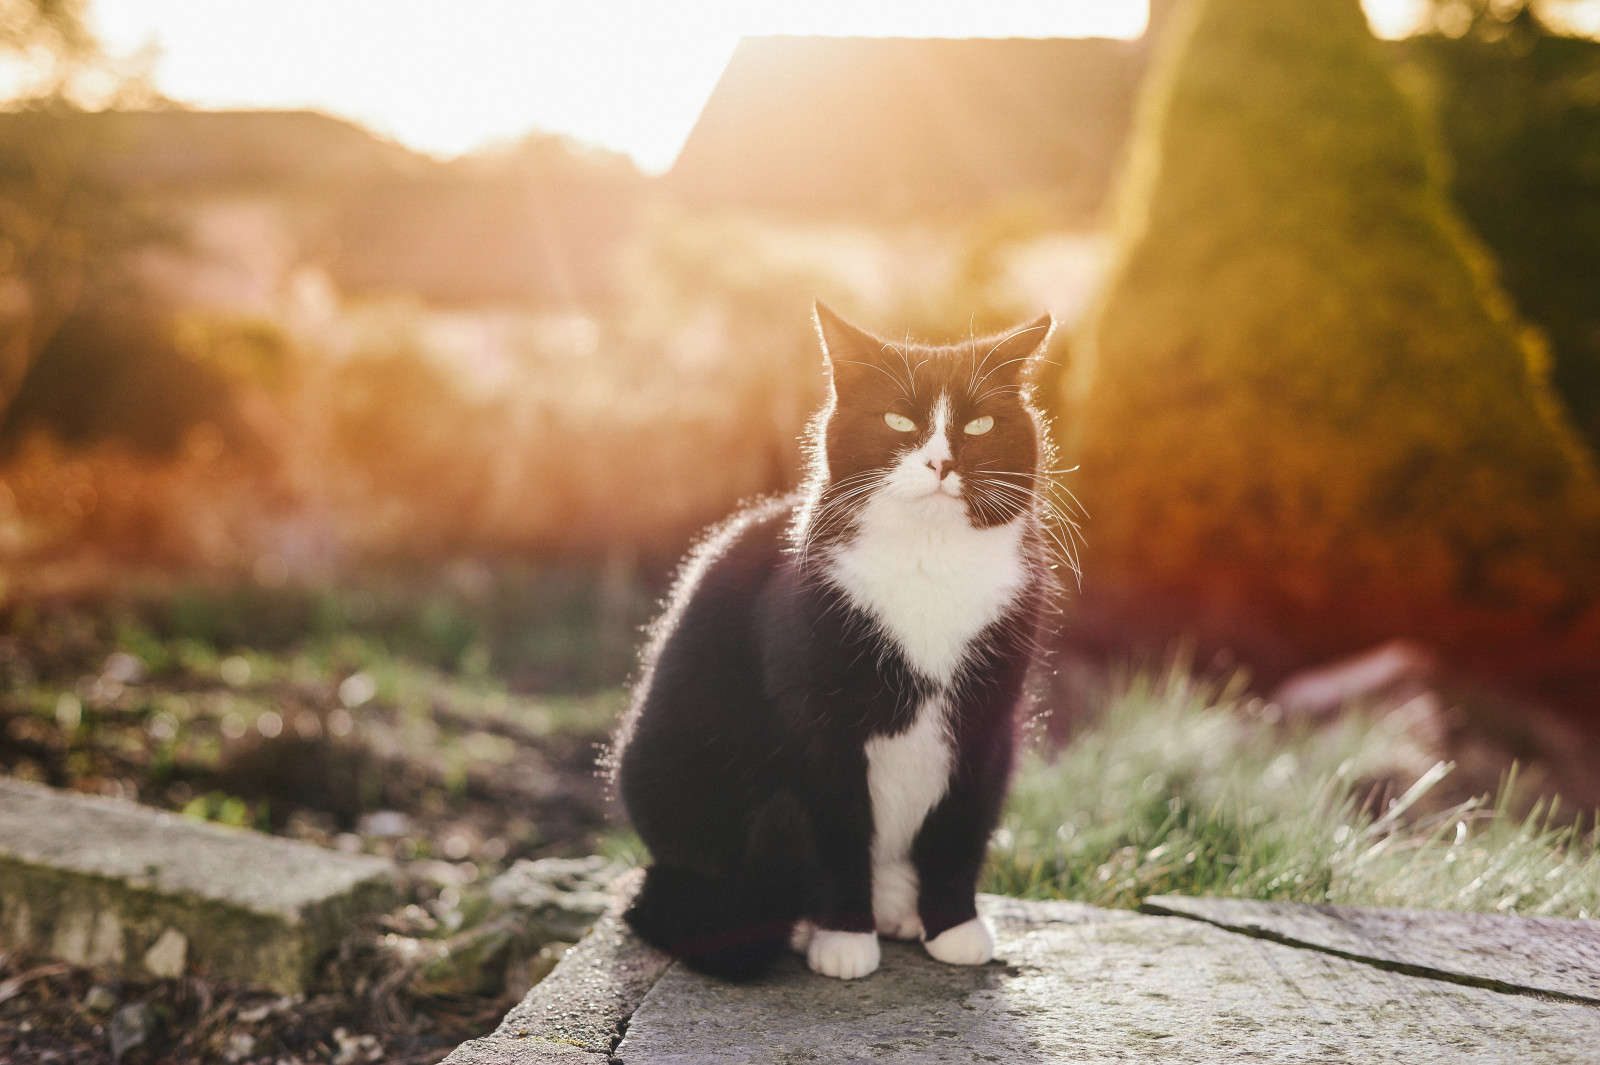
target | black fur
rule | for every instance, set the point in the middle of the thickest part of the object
(742, 761)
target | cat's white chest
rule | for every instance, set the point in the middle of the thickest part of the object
(930, 579)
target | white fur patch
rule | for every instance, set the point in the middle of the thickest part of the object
(968, 943)
(847, 955)
(907, 775)
(894, 899)
(933, 581)
(936, 448)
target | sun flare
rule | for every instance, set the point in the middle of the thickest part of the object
(450, 78)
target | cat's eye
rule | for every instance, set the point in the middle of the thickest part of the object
(899, 422)
(979, 426)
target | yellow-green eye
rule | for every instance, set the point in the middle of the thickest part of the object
(979, 426)
(899, 422)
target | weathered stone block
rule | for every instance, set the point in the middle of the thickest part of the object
(1552, 956)
(581, 1009)
(99, 882)
(1085, 986)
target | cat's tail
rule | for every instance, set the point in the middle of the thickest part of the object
(737, 925)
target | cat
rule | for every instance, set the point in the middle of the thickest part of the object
(822, 735)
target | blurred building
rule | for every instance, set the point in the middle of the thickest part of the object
(881, 128)
(868, 129)
(243, 196)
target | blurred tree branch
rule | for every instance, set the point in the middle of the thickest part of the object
(61, 226)
(1495, 20)
(54, 25)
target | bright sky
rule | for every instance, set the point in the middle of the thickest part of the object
(448, 76)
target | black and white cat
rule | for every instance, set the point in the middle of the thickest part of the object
(821, 740)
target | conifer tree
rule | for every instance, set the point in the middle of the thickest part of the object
(1301, 397)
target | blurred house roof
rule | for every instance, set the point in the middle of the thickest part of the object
(174, 147)
(887, 127)
(536, 223)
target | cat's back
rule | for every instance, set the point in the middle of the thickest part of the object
(722, 579)
(707, 636)
(700, 682)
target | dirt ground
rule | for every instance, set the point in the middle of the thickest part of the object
(454, 778)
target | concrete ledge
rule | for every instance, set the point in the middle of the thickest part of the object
(581, 1010)
(1080, 986)
(98, 882)
(1071, 984)
(1551, 956)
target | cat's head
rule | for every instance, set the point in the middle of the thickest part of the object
(946, 428)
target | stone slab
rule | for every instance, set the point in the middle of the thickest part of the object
(578, 1012)
(1080, 985)
(100, 882)
(1547, 955)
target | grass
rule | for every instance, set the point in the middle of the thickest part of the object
(1186, 788)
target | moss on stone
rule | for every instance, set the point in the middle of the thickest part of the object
(98, 882)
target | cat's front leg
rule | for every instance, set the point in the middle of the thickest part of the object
(953, 930)
(948, 855)
(969, 943)
(843, 942)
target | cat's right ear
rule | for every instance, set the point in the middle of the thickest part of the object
(848, 351)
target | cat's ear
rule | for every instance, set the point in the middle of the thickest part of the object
(840, 339)
(847, 350)
(1011, 355)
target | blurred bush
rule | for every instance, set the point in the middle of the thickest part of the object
(1518, 105)
(205, 440)
(1306, 417)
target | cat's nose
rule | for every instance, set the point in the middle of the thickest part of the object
(940, 466)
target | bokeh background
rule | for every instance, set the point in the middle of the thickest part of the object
(352, 422)
(1328, 374)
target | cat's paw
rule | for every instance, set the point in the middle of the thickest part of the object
(800, 936)
(968, 943)
(847, 955)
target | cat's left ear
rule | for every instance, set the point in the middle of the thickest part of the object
(1012, 354)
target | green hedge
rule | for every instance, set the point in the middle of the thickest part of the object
(1302, 397)
(1520, 115)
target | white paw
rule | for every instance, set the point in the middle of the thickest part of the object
(800, 936)
(847, 955)
(894, 900)
(968, 943)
